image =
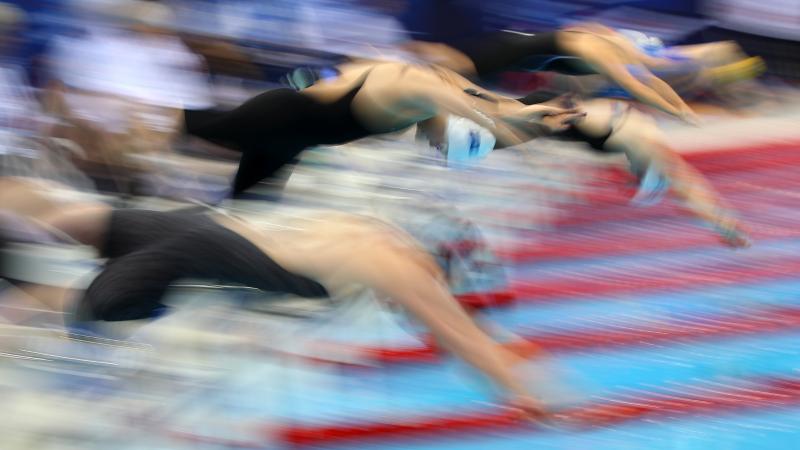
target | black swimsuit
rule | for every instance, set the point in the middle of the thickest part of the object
(272, 129)
(149, 250)
(505, 50)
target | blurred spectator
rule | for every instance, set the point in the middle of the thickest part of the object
(445, 21)
(120, 86)
(23, 124)
(365, 28)
(18, 105)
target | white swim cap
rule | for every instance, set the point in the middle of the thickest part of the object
(644, 41)
(466, 141)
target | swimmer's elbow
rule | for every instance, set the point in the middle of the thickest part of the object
(409, 289)
(620, 75)
(391, 268)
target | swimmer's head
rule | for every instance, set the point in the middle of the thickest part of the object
(456, 244)
(457, 141)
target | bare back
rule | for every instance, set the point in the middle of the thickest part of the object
(330, 248)
(395, 95)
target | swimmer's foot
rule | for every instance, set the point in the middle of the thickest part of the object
(746, 69)
(735, 236)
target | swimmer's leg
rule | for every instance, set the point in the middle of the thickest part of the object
(130, 288)
(264, 116)
(712, 53)
(270, 130)
(133, 286)
(275, 165)
(131, 230)
(509, 50)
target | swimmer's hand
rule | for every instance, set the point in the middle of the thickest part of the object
(554, 118)
(529, 408)
(733, 234)
(688, 116)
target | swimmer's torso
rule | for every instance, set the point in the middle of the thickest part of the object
(334, 249)
(384, 99)
(367, 84)
(350, 76)
(326, 247)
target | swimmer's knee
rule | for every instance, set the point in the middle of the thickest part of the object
(116, 296)
(97, 305)
(108, 307)
(90, 309)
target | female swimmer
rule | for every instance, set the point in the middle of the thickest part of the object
(610, 126)
(369, 98)
(616, 127)
(640, 65)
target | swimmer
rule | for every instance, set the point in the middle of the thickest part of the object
(367, 98)
(616, 127)
(691, 70)
(642, 67)
(611, 126)
(456, 116)
(328, 256)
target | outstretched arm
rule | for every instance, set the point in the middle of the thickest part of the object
(639, 136)
(602, 50)
(411, 279)
(407, 94)
(688, 184)
(607, 57)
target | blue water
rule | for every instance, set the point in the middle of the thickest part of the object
(299, 393)
(757, 430)
(399, 391)
(255, 390)
(662, 368)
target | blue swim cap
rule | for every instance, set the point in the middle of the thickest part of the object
(653, 186)
(458, 246)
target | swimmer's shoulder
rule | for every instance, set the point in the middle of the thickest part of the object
(309, 232)
(363, 226)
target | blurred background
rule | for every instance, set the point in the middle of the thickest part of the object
(673, 341)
